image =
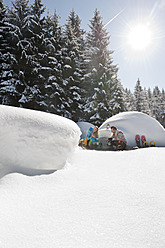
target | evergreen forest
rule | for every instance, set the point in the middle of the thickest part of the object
(65, 70)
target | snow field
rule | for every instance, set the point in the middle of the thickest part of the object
(100, 199)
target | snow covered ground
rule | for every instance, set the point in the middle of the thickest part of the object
(99, 199)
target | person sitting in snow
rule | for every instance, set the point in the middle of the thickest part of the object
(91, 140)
(117, 140)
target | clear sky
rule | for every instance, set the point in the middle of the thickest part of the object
(137, 30)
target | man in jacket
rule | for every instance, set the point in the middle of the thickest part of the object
(117, 140)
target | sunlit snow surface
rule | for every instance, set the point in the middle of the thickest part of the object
(101, 199)
(35, 139)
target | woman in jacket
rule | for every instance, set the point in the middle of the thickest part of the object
(91, 140)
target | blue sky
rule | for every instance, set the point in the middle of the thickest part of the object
(147, 64)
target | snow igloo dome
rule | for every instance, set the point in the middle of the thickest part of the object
(84, 127)
(133, 123)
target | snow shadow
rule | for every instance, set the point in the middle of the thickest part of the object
(25, 171)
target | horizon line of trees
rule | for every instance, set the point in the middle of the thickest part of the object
(65, 70)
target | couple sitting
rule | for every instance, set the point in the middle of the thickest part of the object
(116, 141)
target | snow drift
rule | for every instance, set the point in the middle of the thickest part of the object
(101, 200)
(132, 123)
(35, 139)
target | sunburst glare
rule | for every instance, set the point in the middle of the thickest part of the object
(140, 37)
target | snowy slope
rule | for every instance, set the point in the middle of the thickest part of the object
(101, 199)
(35, 139)
(132, 123)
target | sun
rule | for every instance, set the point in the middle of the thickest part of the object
(140, 37)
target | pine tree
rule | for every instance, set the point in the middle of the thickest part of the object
(54, 83)
(34, 94)
(162, 114)
(149, 94)
(18, 19)
(79, 34)
(146, 105)
(102, 86)
(129, 100)
(8, 78)
(72, 68)
(156, 103)
(3, 41)
(117, 98)
(18, 16)
(27, 42)
(4, 66)
(139, 97)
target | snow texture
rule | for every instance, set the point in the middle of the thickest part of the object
(99, 199)
(35, 139)
(132, 123)
(102, 199)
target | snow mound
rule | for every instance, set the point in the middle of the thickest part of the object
(132, 123)
(34, 139)
(84, 127)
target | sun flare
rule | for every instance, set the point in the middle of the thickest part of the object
(140, 37)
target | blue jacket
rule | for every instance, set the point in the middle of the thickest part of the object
(89, 133)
